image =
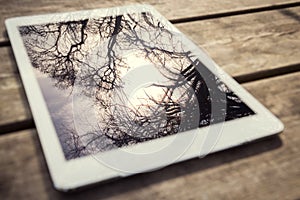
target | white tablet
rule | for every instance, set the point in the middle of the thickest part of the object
(120, 91)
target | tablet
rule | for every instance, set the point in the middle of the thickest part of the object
(120, 91)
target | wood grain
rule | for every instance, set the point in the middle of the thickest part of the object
(249, 43)
(241, 45)
(172, 10)
(268, 169)
(14, 107)
(8, 64)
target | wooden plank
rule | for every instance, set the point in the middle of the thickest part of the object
(267, 169)
(8, 64)
(249, 43)
(172, 10)
(242, 45)
(14, 109)
(14, 106)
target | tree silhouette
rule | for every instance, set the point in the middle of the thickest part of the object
(91, 54)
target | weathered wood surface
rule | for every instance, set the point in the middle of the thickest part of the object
(252, 46)
(172, 10)
(249, 43)
(241, 45)
(268, 169)
(14, 107)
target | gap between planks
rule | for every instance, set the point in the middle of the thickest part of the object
(267, 73)
(236, 12)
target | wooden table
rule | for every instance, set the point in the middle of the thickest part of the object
(257, 42)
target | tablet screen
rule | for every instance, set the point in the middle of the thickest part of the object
(120, 80)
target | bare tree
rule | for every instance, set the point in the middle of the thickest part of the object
(90, 53)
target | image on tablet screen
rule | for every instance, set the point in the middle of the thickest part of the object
(115, 81)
